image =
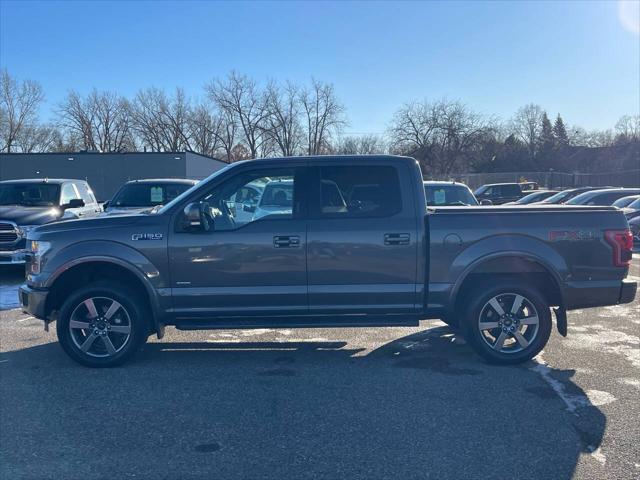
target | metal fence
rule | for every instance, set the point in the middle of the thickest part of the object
(555, 180)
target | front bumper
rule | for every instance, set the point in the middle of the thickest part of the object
(33, 301)
(12, 257)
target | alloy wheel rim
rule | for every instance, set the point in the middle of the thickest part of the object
(100, 327)
(509, 323)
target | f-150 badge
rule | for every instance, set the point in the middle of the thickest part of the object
(146, 236)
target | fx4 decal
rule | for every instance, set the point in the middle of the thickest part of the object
(571, 235)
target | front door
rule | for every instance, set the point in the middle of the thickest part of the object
(253, 262)
(361, 241)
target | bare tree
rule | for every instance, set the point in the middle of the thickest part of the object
(442, 135)
(226, 133)
(628, 129)
(413, 128)
(283, 126)
(101, 121)
(324, 116)
(580, 137)
(161, 122)
(526, 124)
(38, 138)
(204, 130)
(361, 145)
(19, 103)
(238, 96)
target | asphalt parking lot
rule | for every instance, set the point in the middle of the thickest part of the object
(313, 403)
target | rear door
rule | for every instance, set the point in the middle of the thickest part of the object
(361, 238)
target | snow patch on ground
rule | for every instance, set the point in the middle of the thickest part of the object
(572, 401)
(630, 311)
(9, 297)
(634, 382)
(598, 398)
(599, 456)
(611, 341)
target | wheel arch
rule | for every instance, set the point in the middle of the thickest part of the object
(511, 266)
(85, 270)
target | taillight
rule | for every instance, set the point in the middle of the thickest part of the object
(622, 243)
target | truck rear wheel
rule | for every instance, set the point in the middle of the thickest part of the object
(507, 323)
(101, 326)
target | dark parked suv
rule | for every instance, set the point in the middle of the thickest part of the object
(25, 204)
(500, 193)
(333, 242)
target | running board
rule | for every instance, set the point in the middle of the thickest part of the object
(230, 323)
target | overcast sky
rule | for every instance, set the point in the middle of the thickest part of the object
(581, 59)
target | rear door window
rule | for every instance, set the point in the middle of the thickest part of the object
(359, 191)
(85, 193)
(68, 193)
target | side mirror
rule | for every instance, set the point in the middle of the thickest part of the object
(192, 215)
(73, 203)
(249, 208)
(105, 205)
(197, 217)
(486, 201)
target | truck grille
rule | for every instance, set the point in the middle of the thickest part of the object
(8, 232)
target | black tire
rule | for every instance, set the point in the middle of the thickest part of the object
(131, 313)
(478, 313)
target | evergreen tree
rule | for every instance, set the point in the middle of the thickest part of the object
(547, 139)
(546, 143)
(560, 132)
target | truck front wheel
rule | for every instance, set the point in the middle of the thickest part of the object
(507, 323)
(101, 326)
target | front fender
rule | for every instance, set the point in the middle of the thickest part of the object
(96, 250)
(109, 252)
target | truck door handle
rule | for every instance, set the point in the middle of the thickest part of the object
(286, 241)
(397, 238)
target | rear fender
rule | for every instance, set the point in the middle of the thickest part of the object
(505, 246)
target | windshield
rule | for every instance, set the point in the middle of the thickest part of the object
(147, 194)
(443, 195)
(29, 194)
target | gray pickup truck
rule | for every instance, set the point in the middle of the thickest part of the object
(28, 203)
(324, 242)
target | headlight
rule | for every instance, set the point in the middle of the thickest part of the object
(23, 230)
(37, 249)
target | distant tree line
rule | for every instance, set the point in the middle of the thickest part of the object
(237, 118)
